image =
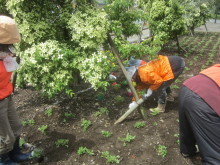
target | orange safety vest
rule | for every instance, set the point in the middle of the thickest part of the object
(155, 72)
(213, 73)
(5, 84)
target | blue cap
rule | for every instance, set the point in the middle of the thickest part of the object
(133, 62)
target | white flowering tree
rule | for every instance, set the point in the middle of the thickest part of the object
(62, 40)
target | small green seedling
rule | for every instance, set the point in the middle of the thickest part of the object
(155, 111)
(119, 99)
(139, 124)
(177, 135)
(161, 150)
(106, 133)
(85, 124)
(37, 153)
(62, 143)
(110, 158)
(127, 139)
(48, 112)
(174, 87)
(187, 68)
(69, 114)
(102, 111)
(28, 122)
(43, 129)
(21, 142)
(177, 81)
(84, 150)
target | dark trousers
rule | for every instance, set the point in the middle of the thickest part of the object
(177, 65)
(200, 125)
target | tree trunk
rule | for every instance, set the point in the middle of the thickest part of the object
(177, 43)
(206, 28)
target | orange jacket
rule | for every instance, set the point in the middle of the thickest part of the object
(5, 84)
(155, 72)
(213, 73)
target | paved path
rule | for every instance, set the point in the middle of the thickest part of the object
(211, 26)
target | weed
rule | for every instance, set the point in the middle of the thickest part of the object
(28, 122)
(21, 142)
(102, 111)
(62, 142)
(98, 113)
(106, 133)
(177, 81)
(37, 153)
(42, 129)
(127, 139)
(69, 114)
(161, 150)
(84, 150)
(141, 92)
(187, 68)
(48, 112)
(110, 158)
(175, 87)
(119, 99)
(177, 135)
(85, 124)
(139, 124)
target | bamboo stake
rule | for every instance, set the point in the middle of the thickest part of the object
(122, 66)
(139, 101)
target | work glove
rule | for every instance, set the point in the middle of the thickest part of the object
(148, 94)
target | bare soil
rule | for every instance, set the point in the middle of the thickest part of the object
(160, 129)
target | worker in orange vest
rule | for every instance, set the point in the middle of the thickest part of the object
(10, 125)
(156, 75)
(199, 116)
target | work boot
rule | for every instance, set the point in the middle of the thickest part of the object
(171, 96)
(5, 160)
(16, 154)
(160, 108)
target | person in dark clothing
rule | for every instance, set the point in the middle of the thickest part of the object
(199, 116)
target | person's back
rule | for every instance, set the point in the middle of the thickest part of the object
(199, 115)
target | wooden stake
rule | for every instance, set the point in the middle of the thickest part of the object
(111, 43)
(140, 101)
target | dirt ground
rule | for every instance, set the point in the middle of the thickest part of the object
(161, 129)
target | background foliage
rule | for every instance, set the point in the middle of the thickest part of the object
(65, 41)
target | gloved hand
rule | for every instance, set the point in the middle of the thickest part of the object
(132, 104)
(148, 94)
